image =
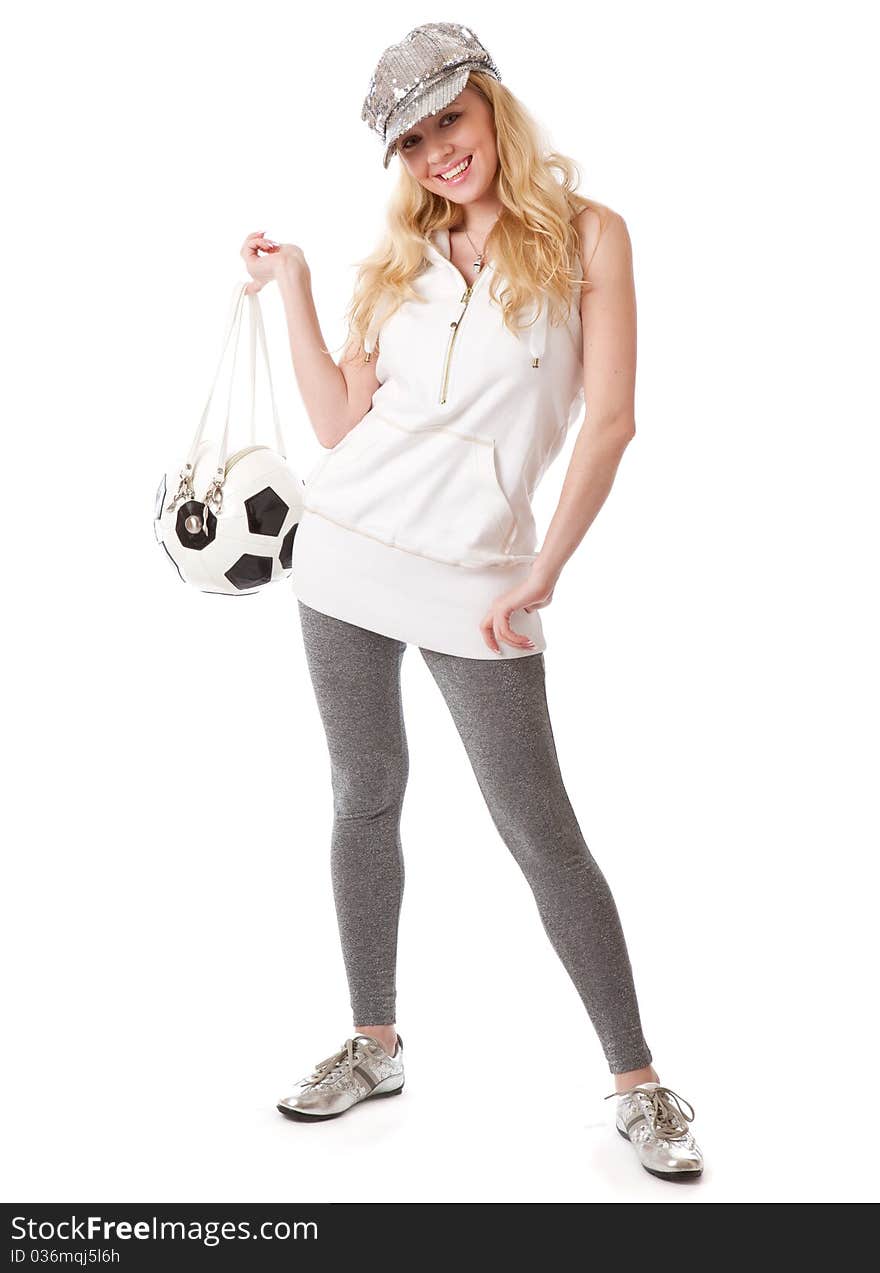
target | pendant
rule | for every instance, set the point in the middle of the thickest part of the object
(478, 263)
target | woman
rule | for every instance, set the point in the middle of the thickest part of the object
(499, 302)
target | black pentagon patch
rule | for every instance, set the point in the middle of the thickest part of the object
(196, 539)
(266, 512)
(285, 556)
(160, 499)
(249, 571)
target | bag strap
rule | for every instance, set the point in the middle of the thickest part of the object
(259, 330)
(258, 337)
(232, 328)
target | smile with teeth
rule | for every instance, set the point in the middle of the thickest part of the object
(454, 173)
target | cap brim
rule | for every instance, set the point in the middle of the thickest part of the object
(426, 103)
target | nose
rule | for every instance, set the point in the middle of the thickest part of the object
(437, 158)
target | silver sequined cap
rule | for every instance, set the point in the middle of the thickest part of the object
(419, 76)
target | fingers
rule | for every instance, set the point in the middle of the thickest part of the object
(494, 630)
(487, 631)
(505, 632)
(258, 240)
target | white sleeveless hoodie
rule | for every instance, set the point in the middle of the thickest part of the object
(422, 514)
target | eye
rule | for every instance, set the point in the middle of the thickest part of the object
(453, 115)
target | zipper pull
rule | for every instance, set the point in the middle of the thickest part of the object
(213, 500)
(184, 490)
(467, 296)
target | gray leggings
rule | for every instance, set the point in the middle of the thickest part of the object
(356, 679)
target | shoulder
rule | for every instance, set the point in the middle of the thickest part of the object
(605, 245)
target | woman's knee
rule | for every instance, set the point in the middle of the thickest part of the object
(370, 786)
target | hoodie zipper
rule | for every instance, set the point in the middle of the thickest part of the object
(456, 323)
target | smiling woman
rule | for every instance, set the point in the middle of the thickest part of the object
(499, 304)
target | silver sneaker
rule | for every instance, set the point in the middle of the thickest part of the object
(650, 1116)
(360, 1069)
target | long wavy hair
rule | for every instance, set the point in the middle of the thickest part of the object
(533, 244)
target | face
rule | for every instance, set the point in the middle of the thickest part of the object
(463, 131)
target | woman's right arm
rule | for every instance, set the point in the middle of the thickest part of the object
(336, 397)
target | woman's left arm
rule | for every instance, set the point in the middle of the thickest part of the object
(608, 312)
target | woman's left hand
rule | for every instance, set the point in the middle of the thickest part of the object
(531, 595)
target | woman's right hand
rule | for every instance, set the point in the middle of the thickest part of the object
(263, 269)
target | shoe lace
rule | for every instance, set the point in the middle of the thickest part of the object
(345, 1058)
(665, 1115)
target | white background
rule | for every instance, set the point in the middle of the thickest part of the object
(169, 942)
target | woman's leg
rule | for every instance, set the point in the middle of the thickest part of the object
(356, 678)
(500, 710)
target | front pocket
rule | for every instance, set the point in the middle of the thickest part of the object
(344, 454)
(431, 491)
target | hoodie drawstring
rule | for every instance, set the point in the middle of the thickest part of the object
(370, 341)
(538, 334)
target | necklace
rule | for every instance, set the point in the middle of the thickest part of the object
(478, 262)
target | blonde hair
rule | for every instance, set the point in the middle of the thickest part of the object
(533, 244)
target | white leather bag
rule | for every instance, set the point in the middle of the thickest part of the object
(229, 525)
